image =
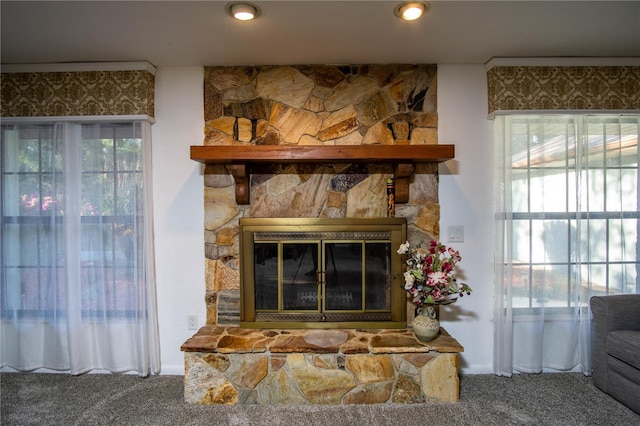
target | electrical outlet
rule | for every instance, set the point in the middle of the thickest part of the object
(456, 234)
(192, 322)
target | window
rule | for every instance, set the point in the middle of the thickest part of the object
(72, 212)
(572, 189)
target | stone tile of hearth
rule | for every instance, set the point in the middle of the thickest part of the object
(359, 344)
(295, 343)
(242, 344)
(446, 344)
(247, 332)
(395, 343)
(326, 338)
(205, 340)
(200, 344)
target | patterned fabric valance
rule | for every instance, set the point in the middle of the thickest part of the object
(522, 88)
(83, 93)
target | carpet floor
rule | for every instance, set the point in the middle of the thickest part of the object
(96, 399)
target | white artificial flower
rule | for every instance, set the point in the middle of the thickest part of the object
(409, 279)
(404, 248)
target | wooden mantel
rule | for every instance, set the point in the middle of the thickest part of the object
(240, 157)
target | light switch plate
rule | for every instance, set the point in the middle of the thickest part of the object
(192, 322)
(455, 234)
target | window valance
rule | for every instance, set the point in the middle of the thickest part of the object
(89, 90)
(534, 88)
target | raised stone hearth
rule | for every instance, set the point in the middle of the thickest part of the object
(230, 365)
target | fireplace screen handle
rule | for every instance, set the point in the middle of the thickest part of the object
(320, 277)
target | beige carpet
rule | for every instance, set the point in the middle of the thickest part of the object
(542, 399)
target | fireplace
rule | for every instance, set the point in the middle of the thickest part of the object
(321, 273)
(316, 142)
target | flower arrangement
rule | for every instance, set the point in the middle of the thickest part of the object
(430, 276)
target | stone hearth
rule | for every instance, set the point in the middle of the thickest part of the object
(230, 365)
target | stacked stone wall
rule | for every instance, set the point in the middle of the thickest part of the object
(312, 105)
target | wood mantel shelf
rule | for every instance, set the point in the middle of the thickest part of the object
(403, 157)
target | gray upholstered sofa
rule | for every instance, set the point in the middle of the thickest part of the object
(616, 347)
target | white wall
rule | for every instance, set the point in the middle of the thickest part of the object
(179, 212)
(465, 199)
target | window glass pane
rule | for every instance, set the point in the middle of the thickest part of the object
(619, 282)
(52, 201)
(630, 276)
(124, 245)
(28, 244)
(556, 240)
(593, 235)
(299, 283)
(129, 189)
(50, 244)
(538, 241)
(521, 241)
(548, 191)
(551, 285)
(266, 276)
(128, 157)
(123, 292)
(521, 285)
(97, 155)
(29, 154)
(593, 196)
(594, 276)
(614, 192)
(622, 239)
(98, 194)
(572, 191)
(520, 191)
(622, 190)
(343, 265)
(378, 275)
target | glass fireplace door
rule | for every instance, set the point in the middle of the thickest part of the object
(322, 276)
(314, 273)
(357, 276)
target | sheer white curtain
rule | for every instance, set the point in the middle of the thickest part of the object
(78, 280)
(567, 229)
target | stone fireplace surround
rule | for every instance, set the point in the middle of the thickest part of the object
(319, 106)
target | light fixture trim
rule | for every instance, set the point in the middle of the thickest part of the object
(243, 10)
(411, 10)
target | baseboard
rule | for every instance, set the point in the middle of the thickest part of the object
(476, 369)
(172, 370)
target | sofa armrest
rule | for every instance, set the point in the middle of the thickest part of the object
(618, 312)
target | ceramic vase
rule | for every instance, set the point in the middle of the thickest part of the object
(426, 324)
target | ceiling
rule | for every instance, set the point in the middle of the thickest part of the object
(196, 33)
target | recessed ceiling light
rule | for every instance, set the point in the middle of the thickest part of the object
(242, 11)
(411, 10)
